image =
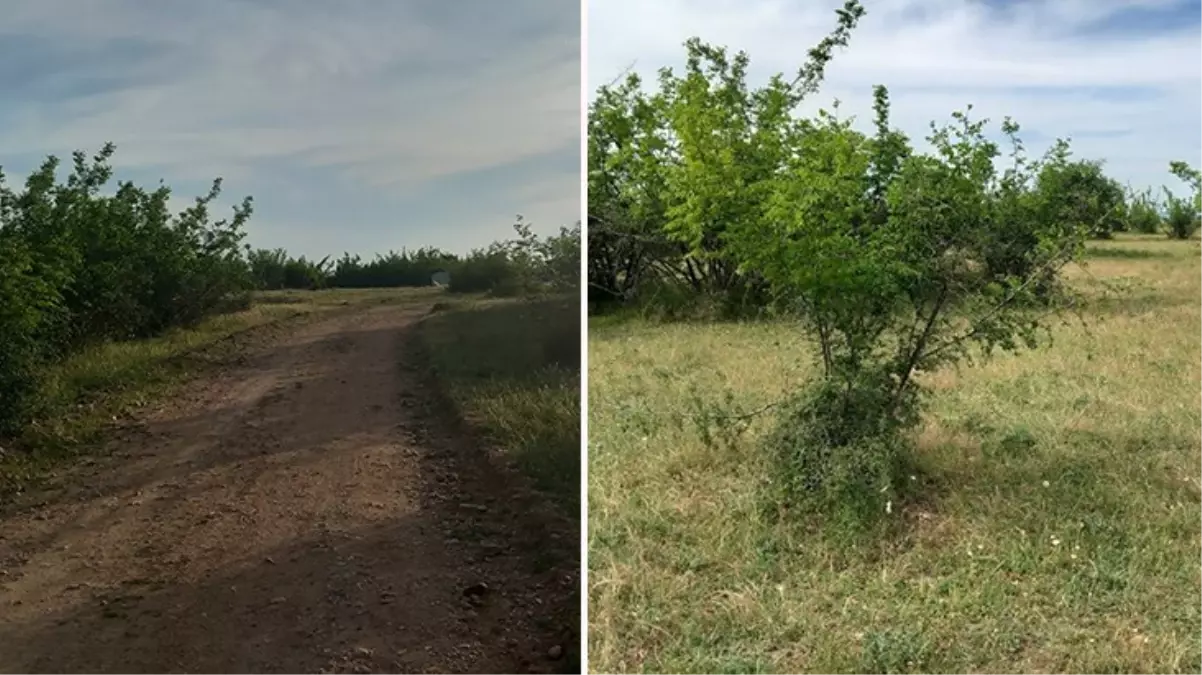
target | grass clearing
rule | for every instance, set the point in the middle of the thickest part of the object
(87, 394)
(512, 367)
(1058, 529)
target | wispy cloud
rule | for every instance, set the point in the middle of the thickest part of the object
(1122, 78)
(359, 125)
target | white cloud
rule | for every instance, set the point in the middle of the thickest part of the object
(385, 96)
(1028, 60)
(317, 85)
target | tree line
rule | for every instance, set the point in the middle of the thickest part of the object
(680, 172)
(520, 265)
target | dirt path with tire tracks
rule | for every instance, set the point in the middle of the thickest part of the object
(316, 508)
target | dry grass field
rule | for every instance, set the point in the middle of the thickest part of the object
(1058, 529)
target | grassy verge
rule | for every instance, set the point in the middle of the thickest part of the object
(87, 394)
(1058, 529)
(513, 369)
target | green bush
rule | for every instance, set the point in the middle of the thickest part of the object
(484, 271)
(274, 270)
(1184, 216)
(1181, 219)
(79, 267)
(1143, 214)
(524, 265)
(407, 268)
(25, 302)
(303, 274)
(1079, 194)
(837, 449)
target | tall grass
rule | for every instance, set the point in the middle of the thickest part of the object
(512, 367)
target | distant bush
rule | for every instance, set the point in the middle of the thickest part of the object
(1181, 219)
(407, 268)
(1143, 214)
(1184, 216)
(558, 259)
(303, 274)
(485, 270)
(267, 267)
(79, 267)
(524, 265)
(1079, 194)
(894, 260)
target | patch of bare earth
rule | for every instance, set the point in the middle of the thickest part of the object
(315, 508)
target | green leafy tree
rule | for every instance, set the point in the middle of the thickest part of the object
(524, 265)
(628, 148)
(896, 262)
(1183, 216)
(1181, 219)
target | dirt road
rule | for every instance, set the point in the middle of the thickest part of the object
(313, 508)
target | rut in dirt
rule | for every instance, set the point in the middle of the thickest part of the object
(317, 508)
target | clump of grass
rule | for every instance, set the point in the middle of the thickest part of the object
(512, 367)
(837, 455)
(1051, 523)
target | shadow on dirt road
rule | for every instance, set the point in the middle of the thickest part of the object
(317, 508)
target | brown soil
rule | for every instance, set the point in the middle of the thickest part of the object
(315, 508)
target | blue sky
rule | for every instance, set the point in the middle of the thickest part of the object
(1121, 78)
(358, 125)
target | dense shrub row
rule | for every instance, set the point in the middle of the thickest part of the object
(78, 266)
(524, 264)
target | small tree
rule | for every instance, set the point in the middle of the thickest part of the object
(1181, 219)
(1183, 216)
(1143, 213)
(896, 262)
(560, 259)
(907, 295)
(1078, 192)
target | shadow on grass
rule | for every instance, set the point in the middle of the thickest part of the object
(1114, 252)
(512, 368)
(1135, 302)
